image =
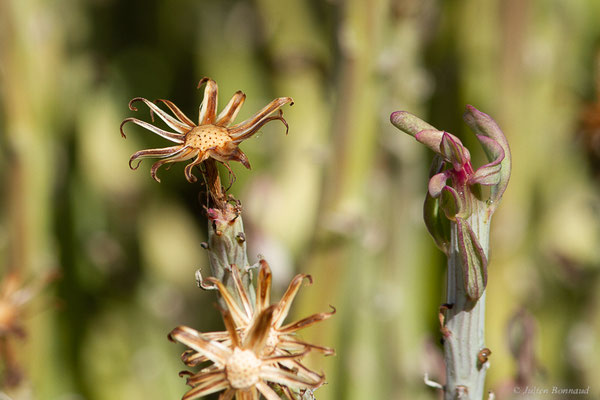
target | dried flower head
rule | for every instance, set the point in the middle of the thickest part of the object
(280, 341)
(14, 298)
(213, 137)
(282, 338)
(241, 367)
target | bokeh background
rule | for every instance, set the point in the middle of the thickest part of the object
(339, 197)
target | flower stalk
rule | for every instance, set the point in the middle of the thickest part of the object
(458, 215)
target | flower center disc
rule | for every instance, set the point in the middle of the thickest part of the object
(206, 137)
(243, 369)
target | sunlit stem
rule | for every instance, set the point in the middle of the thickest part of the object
(465, 319)
(226, 237)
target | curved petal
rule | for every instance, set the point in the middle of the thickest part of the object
(178, 113)
(283, 307)
(185, 154)
(245, 134)
(239, 317)
(229, 153)
(173, 137)
(290, 343)
(490, 173)
(239, 285)
(227, 395)
(193, 339)
(230, 326)
(188, 168)
(205, 377)
(208, 109)
(286, 357)
(302, 371)
(231, 110)
(266, 391)
(170, 121)
(259, 331)
(154, 153)
(306, 322)
(250, 124)
(289, 379)
(206, 389)
(263, 283)
(437, 183)
(483, 124)
(248, 394)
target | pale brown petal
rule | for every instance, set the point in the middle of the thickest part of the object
(243, 134)
(289, 379)
(286, 357)
(205, 377)
(170, 121)
(230, 326)
(208, 108)
(192, 358)
(302, 371)
(286, 301)
(231, 110)
(154, 153)
(193, 339)
(229, 152)
(188, 168)
(185, 154)
(259, 331)
(267, 391)
(306, 322)
(237, 280)
(206, 389)
(288, 393)
(290, 343)
(239, 317)
(263, 283)
(248, 124)
(173, 137)
(227, 395)
(178, 113)
(249, 394)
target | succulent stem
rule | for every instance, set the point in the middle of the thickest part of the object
(227, 248)
(464, 320)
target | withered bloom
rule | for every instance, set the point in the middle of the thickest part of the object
(281, 337)
(213, 137)
(14, 298)
(280, 341)
(241, 367)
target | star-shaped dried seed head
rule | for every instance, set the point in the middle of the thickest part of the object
(212, 138)
(282, 338)
(239, 366)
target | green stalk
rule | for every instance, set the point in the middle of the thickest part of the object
(465, 320)
(226, 237)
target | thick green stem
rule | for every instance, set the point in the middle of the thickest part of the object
(226, 237)
(465, 319)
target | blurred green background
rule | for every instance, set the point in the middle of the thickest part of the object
(339, 197)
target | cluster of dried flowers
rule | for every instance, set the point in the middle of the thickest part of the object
(257, 354)
(15, 296)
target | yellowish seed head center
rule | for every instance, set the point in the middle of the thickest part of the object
(206, 137)
(243, 369)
